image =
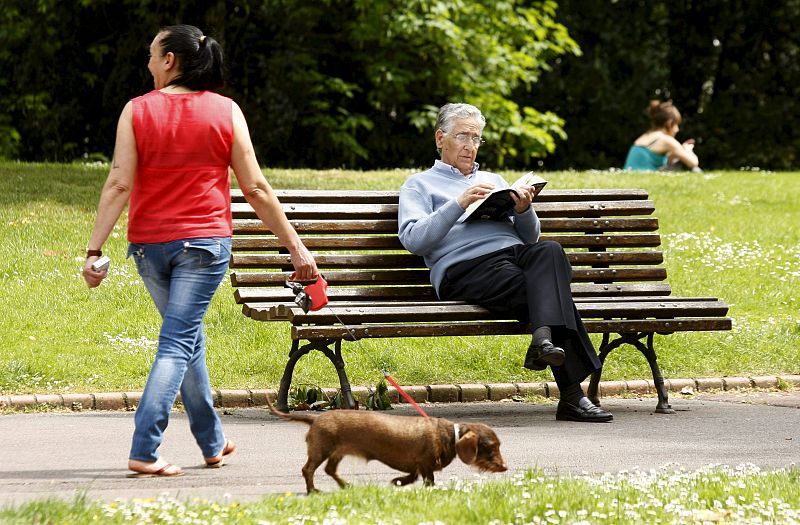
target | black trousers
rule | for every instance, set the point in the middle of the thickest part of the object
(529, 282)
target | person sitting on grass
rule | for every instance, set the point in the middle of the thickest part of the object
(657, 149)
(498, 264)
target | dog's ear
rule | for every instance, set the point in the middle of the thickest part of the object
(467, 447)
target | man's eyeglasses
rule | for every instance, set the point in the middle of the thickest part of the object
(466, 138)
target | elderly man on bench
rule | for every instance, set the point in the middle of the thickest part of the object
(498, 264)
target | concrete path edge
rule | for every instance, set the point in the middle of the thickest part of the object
(455, 393)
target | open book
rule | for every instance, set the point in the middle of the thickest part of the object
(497, 204)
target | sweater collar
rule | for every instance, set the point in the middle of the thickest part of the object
(444, 167)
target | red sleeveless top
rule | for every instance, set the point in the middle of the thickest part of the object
(182, 185)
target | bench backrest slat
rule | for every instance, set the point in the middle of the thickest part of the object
(386, 242)
(340, 211)
(406, 260)
(389, 226)
(390, 197)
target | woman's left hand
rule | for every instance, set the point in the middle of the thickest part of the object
(305, 266)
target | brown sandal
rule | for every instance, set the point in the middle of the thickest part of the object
(227, 451)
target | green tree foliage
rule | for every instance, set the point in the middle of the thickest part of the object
(730, 66)
(324, 84)
(418, 55)
(356, 83)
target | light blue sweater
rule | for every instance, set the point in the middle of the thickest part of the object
(428, 220)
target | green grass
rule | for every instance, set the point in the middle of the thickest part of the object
(732, 235)
(669, 496)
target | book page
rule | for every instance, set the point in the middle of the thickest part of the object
(530, 179)
(477, 204)
(497, 200)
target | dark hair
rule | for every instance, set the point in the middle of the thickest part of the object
(662, 113)
(199, 57)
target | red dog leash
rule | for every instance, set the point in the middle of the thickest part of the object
(314, 297)
(403, 393)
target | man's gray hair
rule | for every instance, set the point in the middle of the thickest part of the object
(449, 113)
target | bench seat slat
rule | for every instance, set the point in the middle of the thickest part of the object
(346, 302)
(667, 308)
(278, 308)
(663, 326)
(343, 301)
(279, 311)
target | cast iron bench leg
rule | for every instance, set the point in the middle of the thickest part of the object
(335, 357)
(295, 354)
(663, 406)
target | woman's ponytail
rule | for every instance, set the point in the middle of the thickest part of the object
(200, 57)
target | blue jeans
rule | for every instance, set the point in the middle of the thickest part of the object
(181, 277)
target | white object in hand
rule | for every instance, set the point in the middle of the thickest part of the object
(101, 264)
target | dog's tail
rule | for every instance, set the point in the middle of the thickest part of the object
(303, 417)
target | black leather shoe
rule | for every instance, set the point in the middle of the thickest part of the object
(584, 412)
(541, 356)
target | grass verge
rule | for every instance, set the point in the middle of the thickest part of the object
(714, 494)
(732, 235)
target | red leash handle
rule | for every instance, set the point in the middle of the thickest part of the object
(403, 393)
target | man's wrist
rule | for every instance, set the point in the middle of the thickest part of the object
(93, 253)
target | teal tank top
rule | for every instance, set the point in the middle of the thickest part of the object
(641, 158)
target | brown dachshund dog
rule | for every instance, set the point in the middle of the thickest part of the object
(415, 445)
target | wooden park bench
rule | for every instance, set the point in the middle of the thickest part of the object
(379, 290)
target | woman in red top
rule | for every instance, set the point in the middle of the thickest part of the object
(174, 149)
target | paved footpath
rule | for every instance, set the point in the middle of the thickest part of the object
(62, 454)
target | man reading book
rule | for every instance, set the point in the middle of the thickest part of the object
(498, 262)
